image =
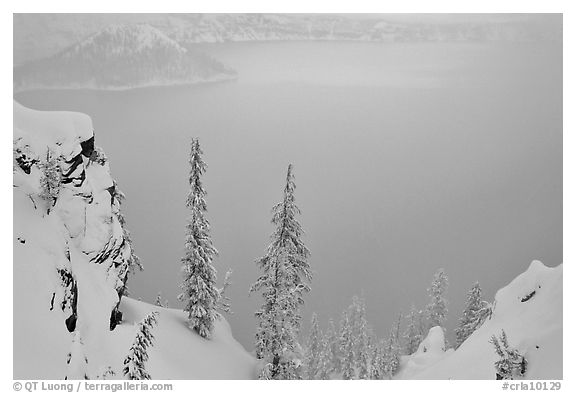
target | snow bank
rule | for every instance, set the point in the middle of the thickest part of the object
(529, 309)
(68, 268)
(430, 351)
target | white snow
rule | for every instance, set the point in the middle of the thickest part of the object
(430, 351)
(533, 326)
(41, 339)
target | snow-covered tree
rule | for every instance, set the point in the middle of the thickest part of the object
(347, 347)
(332, 355)
(511, 364)
(224, 300)
(159, 301)
(199, 292)
(283, 283)
(77, 360)
(378, 361)
(365, 356)
(391, 357)
(314, 348)
(393, 351)
(355, 341)
(475, 313)
(132, 264)
(50, 180)
(361, 337)
(134, 363)
(437, 309)
(106, 373)
(325, 364)
(413, 333)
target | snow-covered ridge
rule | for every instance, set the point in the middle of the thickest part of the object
(121, 57)
(71, 259)
(528, 309)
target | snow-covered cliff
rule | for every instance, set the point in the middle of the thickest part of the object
(71, 260)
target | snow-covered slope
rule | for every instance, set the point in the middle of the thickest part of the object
(529, 309)
(121, 57)
(70, 265)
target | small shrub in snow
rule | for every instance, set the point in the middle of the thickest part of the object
(51, 180)
(511, 364)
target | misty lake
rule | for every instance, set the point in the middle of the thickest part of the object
(407, 157)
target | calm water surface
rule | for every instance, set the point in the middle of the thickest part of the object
(408, 157)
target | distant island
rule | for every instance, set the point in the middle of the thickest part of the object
(121, 57)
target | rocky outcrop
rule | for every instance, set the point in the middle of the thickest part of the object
(85, 205)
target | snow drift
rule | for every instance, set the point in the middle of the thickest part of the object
(529, 309)
(70, 267)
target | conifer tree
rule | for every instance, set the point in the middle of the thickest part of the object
(325, 364)
(391, 356)
(347, 347)
(378, 361)
(393, 351)
(283, 283)
(199, 291)
(413, 333)
(50, 180)
(437, 309)
(224, 300)
(475, 313)
(134, 363)
(511, 364)
(332, 349)
(132, 264)
(314, 350)
(159, 300)
(365, 356)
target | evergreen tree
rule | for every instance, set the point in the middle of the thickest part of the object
(50, 180)
(314, 350)
(325, 364)
(134, 367)
(283, 283)
(224, 301)
(413, 333)
(199, 291)
(511, 364)
(132, 263)
(361, 337)
(107, 374)
(437, 309)
(332, 354)
(475, 313)
(77, 361)
(159, 300)
(365, 356)
(347, 347)
(393, 351)
(378, 361)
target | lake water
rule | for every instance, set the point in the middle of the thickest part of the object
(408, 157)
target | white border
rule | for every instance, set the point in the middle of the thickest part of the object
(301, 6)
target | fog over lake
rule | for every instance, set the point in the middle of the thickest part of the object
(407, 157)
